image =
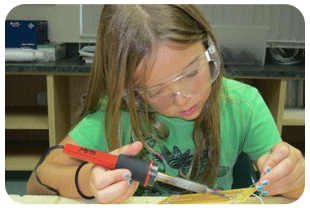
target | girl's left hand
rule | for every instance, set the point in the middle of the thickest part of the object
(282, 171)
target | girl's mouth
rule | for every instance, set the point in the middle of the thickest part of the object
(189, 112)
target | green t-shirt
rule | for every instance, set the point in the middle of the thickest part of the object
(246, 125)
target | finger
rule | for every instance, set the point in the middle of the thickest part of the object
(286, 165)
(131, 190)
(289, 179)
(284, 175)
(281, 189)
(112, 192)
(130, 149)
(261, 162)
(102, 178)
(289, 182)
(276, 179)
(278, 153)
(278, 172)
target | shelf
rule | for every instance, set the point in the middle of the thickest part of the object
(23, 155)
(295, 136)
(26, 135)
(19, 162)
(294, 117)
(26, 118)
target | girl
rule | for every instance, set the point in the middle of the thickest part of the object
(157, 83)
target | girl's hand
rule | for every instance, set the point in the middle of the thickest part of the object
(114, 186)
(282, 171)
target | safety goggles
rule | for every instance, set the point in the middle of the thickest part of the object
(195, 78)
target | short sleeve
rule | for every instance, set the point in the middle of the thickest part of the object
(89, 132)
(262, 133)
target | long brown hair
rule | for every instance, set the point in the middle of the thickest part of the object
(128, 34)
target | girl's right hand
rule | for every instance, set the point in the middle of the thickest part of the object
(114, 186)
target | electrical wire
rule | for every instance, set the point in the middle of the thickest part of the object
(259, 197)
(287, 56)
(46, 153)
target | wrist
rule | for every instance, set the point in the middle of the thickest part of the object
(83, 180)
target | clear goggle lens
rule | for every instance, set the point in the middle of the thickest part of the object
(196, 78)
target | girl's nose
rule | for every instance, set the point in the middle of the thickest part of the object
(180, 99)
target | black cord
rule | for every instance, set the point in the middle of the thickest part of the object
(47, 152)
(77, 183)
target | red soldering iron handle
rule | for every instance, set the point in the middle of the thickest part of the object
(98, 158)
(142, 171)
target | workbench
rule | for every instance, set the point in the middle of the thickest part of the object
(40, 199)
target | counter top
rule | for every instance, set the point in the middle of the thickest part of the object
(70, 66)
(268, 70)
(64, 66)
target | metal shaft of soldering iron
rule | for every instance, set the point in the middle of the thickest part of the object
(187, 184)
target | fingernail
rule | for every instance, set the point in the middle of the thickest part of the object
(265, 192)
(126, 176)
(264, 182)
(130, 181)
(260, 188)
(268, 169)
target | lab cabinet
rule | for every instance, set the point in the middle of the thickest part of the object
(36, 117)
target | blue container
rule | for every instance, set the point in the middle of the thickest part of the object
(25, 33)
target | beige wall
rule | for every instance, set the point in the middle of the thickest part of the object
(286, 22)
(63, 20)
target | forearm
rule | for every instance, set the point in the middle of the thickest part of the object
(62, 178)
(35, 188)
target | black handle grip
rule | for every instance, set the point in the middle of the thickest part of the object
(139, 168)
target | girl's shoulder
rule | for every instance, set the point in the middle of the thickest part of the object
(238, 95)
(234, 89)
